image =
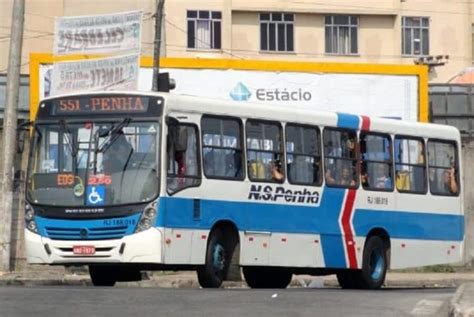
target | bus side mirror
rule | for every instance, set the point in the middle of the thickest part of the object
(21, 132)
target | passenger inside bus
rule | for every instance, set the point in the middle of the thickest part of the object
(346, 177)
(349, 149)
(276, 170)
(382, 177)
(449, 181)
(364, 179)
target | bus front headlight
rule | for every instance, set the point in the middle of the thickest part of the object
(30, 222)
(148, 218)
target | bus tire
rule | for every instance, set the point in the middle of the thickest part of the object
(102, 275)
(374, 264)
(218, 256)
(267, 277)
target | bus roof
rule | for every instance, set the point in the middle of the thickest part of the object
(176, 103)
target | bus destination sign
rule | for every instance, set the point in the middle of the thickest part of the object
(86, 105)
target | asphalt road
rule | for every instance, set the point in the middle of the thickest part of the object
(90, 301)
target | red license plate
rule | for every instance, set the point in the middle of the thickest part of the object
(83, 249)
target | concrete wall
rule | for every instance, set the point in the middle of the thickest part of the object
(468, 167)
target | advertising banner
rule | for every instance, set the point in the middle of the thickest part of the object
(379, 95)
(395, 94)
(110, 33)
(112, 73)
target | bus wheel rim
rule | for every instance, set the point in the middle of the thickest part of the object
(377, 264)
(218, 257)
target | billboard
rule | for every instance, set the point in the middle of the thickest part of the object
(397, 91)
(111, 33)
(112, 73)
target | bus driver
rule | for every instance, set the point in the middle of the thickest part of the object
(117, 155)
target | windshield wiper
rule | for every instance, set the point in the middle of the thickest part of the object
(114, 134)
(67, 135)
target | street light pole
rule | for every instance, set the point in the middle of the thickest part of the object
(9, 132)
(157, 46)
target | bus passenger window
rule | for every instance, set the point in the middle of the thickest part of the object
(265, 151)
(303, 152)
(222, 148)
(443, 168)
(340, 157)
(410, 167)
(182, 148)
(376, 158)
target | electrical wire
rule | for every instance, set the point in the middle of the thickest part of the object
(383, 9)
(21, 65)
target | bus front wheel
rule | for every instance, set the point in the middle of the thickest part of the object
(218, 256)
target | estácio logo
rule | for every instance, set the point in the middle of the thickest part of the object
(240, 92)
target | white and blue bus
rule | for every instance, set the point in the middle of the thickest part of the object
(124, 182)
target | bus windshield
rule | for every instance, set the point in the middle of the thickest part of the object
(93, 163)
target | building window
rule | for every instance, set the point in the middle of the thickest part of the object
(204, 29)
(341, 34)
(415, 36)
(276, 32)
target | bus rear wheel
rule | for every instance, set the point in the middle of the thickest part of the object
(267, 277)
(374, 264)
(103, 275)
(218, 256)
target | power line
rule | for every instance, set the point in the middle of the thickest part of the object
(27, 38)
(21, 65)
(378, 9)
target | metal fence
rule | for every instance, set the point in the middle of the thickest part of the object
(453, 104)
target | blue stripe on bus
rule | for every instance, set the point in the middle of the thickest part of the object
(410, 225)
(332, 242)
(254, 216)
(348, 121)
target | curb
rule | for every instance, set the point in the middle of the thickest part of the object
(458, 307)
(190, 281)
(454, 308)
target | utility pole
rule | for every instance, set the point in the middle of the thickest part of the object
(9, 132)
(157, 47)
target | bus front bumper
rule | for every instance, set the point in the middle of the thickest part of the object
(143, 247)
